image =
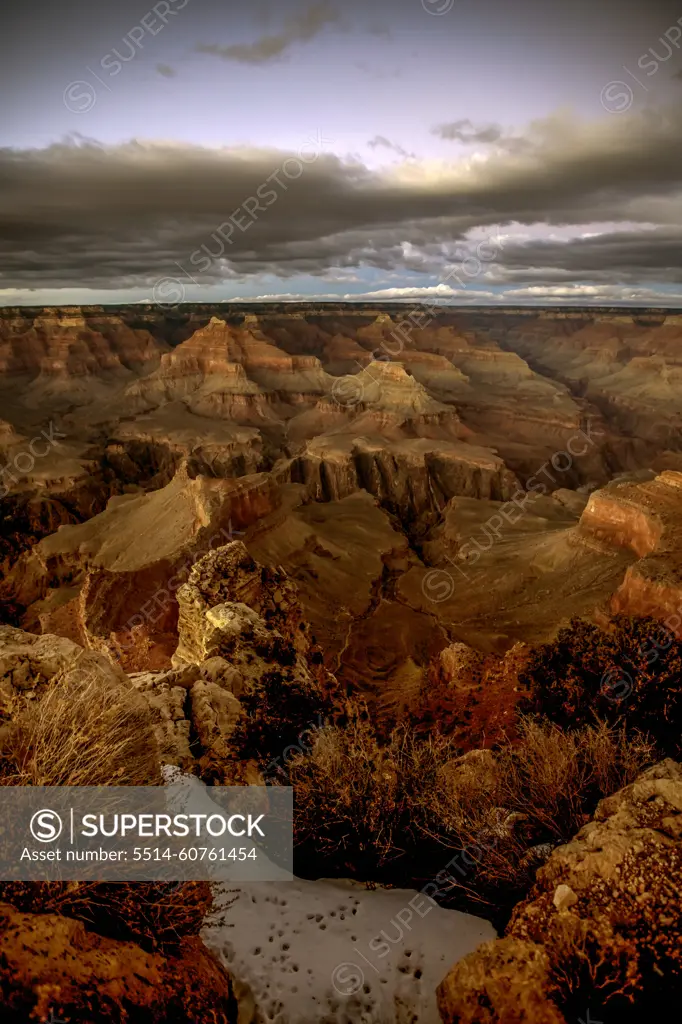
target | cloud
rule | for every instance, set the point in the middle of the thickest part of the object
(286, 297)
(80, 213)
(438, 291)
(650, 253)
(465, 131)
(583, 294)
(166, 70)
(300, 29)
(483, 135)
(383, 142)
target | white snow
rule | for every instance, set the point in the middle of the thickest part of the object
(334, 952)
(330, 952)
(186, 793)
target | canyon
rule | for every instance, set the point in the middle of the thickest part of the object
(427, 477)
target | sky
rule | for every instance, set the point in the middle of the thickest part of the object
(460, 151)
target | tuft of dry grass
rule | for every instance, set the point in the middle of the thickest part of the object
(82, 734)
(87, 734)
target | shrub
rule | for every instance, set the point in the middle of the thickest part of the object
(539, 792)
(357, 802)
(155, 915)
(82, 734)
(410, 811)
(278, 712)
(632, 672)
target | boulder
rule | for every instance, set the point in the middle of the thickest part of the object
(604, 919)
(30, 665)
(54, 967)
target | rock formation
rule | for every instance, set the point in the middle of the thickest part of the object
(471, 696)
(202, 508)
(111, 583)
(53, 967)
(30, 665)
(453, 461)
(239, 623)
(601, 928)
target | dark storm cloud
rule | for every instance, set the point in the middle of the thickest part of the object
(629, 256)
(82, 213)
(43, 31)
(300, 28)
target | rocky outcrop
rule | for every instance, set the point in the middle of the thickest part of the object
(46, 480)
(602, 927)
(30, 665)
(182, 376)
(630, 371)
(111, 583)
(414, 479)
(239, 623)
(230, 576)
(473, 697)
(148, 450)
(645, 517)
(54, 968)
(194, 710)
(626, 523)
(233, 373)
(52, 345)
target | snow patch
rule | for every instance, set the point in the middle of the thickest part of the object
(334, 952)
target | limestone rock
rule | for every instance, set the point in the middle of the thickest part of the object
(503, 982)
(53, 967)
(564, 897)
(30, 665)
(167, 706)
(193, 709)
(612, 897)
(215, 713)
(230, 575)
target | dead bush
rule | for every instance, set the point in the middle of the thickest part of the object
(410, 811)
(155, 915)
(357, 801)
(82, 734)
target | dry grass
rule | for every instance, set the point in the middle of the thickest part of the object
(541, 791)
(357, 803)
(82, 734)
(155, 915)
(411, 806)
(88, 734)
